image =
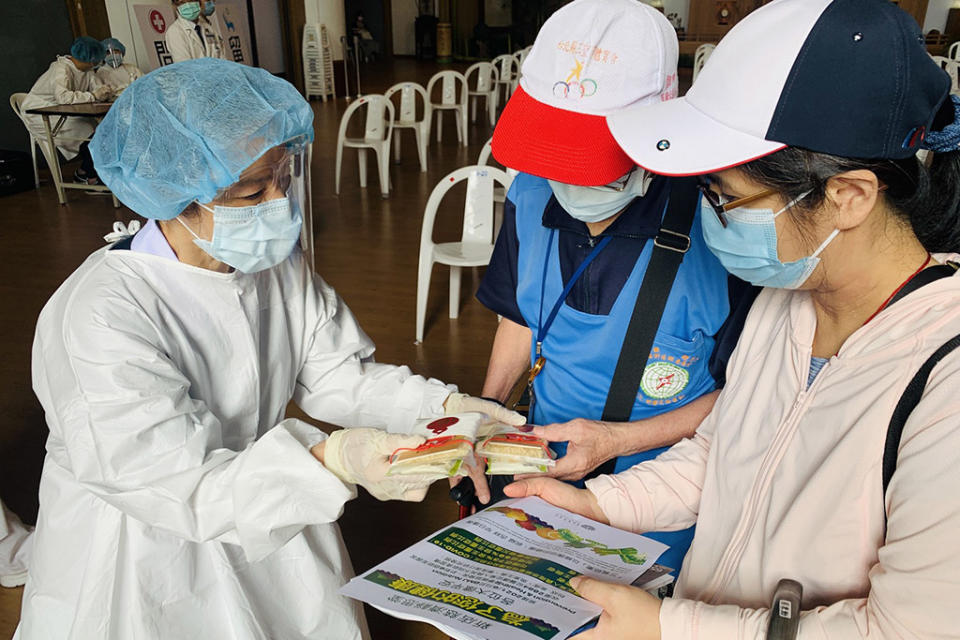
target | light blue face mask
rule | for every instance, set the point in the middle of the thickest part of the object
(747, 247)
(113, 60)
(189, 11)
(595, 204)
(254, 238)
(209, 7)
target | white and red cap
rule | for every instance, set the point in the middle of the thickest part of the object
(850, 78)
(591, 59)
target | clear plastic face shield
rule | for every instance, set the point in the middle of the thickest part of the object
(114, 58)
(281, 172)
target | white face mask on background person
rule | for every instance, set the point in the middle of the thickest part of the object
(595, 204)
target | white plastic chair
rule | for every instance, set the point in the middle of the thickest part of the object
(954, 51)
(700, 57)
(485, 86)
(407, 119)
(508, 74)
(453, 99)
(16, 100)
(377, 134)
(476, 242)
(952, 67)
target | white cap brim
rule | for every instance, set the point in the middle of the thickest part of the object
(674, 138)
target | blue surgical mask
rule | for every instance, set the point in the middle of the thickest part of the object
(747, 247)
(209, 7)
(254, 238)
(113, 60)
(595, 204)
(189, 11)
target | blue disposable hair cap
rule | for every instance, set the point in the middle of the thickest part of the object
(86, 49)
(187, 131)
(113, 43)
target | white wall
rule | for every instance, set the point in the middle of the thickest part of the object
(937, 14)
(330, 13)
(123, 27)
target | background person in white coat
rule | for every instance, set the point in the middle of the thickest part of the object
(70, 80)
(115, 73)
(213, 33)
(190, 36)
(176, 499)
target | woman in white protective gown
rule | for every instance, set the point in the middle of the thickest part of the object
(176, 500)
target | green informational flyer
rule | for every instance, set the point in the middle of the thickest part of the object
(503, 573)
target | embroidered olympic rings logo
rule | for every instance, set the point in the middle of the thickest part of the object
(575, 90)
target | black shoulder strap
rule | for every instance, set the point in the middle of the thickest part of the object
(908, 402)
(924, 278)
(914, 391)
(669, 247)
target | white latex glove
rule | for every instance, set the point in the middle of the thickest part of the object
(462, 403)
(362, 456)
(103, 92)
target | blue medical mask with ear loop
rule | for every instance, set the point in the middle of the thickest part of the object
(595, 204)
(189, 11)
(253, 238)
(747, 247)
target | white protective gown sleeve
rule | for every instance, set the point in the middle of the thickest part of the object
(341, 384)
(119, 78)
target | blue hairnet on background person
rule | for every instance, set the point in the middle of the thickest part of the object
(70, 80)
(87, 49)
(176, 499)
(114, 72)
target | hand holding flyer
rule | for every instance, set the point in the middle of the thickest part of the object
(504, 573)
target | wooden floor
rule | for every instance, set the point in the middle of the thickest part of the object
(366, 247)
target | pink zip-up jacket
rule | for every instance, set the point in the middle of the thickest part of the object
(783, 481)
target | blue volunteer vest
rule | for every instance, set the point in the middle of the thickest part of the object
(582, 349)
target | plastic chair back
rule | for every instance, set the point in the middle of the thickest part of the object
(484, 156)
(952, 67)
(954, 51)
(409, 93)
(700, 57)
(449, 93)
(507, 68)
(478, 204)
(487, 77)
(379, 117)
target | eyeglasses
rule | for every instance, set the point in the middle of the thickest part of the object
(617, 185)
(720, 207)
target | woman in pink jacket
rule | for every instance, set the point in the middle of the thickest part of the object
(804, 128)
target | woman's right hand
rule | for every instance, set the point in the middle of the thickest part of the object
(362, 456)
(559, 494)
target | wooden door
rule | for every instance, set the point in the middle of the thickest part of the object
(89, 18)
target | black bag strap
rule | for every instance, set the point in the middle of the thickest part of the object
(908, 402)
(669, 247)
(914, 391)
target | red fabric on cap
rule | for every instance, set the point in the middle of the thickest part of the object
(561, 145)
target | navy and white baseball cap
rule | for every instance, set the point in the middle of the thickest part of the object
(851, 78)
